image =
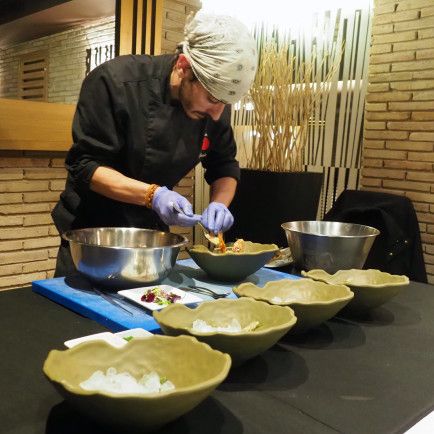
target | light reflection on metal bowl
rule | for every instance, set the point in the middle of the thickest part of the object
(124, 257)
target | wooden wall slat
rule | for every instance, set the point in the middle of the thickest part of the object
(36, 126)
(140, 26)
(126, 26)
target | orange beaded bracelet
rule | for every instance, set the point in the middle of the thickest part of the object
(149, 195)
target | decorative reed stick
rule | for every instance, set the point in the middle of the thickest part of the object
(284, 95)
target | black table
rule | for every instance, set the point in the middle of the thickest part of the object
(370, 375)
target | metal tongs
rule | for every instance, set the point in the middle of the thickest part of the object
(112, 301)
(206, 291)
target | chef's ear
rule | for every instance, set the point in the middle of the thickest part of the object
(182, 64)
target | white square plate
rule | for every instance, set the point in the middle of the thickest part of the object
(134, 333)
(135, 294)
(115, 339)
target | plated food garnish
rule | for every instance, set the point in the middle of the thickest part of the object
(159, 296)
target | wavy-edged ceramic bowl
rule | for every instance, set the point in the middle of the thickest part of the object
(193, 367)
(231, 266)
(371, 288)
(274, 322)
(313, 302)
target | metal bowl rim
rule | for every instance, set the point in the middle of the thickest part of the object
(180, 244)
(375, 230)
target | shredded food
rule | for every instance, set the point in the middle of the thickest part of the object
(237, 247)
(222, 245)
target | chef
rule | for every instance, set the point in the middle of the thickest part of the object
(143, 122)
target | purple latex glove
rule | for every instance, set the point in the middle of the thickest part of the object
(173, 209)
(217, 218)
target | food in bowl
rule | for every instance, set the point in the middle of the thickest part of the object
(222, 244)
(330, 246)
(194, 368)
(371, 288)
(123, 382)
(233, 266)
(313, 302)
(233, 326)
(237, 247)
(261, 325)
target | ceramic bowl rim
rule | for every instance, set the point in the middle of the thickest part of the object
(349, 296)
(291, 322)
(406, 280)
(77, 390)
(272, 248)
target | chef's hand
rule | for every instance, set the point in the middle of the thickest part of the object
(217, 218)
(173, 209)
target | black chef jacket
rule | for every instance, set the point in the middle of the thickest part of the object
(125, 119)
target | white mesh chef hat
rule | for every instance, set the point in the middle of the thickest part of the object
(222, 54)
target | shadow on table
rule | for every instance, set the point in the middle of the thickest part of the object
(391, 313)
(346, 329)
(333, 334)
(210, 416)
(276, 369)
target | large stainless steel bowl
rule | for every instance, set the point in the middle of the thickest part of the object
(124, 257)
(330, 246)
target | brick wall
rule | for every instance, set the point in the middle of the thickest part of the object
(67, 57)
(30, 184)
(399, 117)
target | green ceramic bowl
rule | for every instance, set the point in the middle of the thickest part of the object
(193, 367)
(274, 322)
(313, 302)
(371, 288)
(233, 267)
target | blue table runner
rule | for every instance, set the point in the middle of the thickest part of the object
(76, 294)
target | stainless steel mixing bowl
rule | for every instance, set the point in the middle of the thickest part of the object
(330, 246)
(124, 257)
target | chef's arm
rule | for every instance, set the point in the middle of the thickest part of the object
(114, 185)
(223, 190)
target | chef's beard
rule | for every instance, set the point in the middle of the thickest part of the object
(186, 100)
